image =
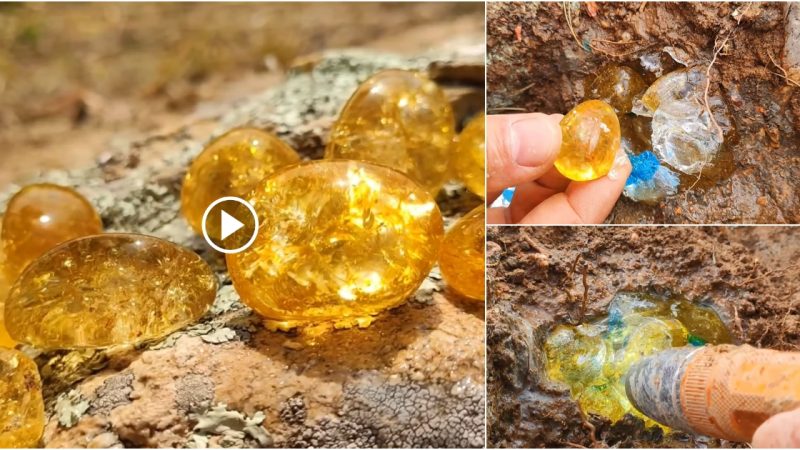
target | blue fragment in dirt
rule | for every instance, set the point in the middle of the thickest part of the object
(696, 341)
(644, 165)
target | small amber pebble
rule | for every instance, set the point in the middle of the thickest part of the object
(399, 119)
(5, 285)
(590, 139)
(337, 241)
(21, 405)
(468, 158)
(41, 216)
(617, 86)
(461, 258)
(231, 165)
(108, 289)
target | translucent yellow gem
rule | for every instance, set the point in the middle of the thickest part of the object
(593, 358)
(617, 86)
(462, 257)
(590, 138)
(399, 119)
(468, 159)
(5, 285)
(41, 216)
(108, 289)
(21, 406)
(337, 240)
(231, 165)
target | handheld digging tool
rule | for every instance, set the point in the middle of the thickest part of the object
(724, 391)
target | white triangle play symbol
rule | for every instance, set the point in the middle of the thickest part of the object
(229, 225)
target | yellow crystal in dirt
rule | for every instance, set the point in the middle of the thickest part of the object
(41, 216)
(21, 405)
(468, 158)
(338, 241)
(400, 119)
(590, 139)
(592, 358)
(462, 257)
(231, 165)
(617, 86)
(106, 290)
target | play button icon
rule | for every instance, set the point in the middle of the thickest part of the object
(230, 224)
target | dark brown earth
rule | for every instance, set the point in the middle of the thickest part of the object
(536, 64)
(535, 281)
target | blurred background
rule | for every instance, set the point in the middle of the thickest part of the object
(75, 77)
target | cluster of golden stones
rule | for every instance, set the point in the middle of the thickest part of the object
(65, 285)
(340, 239)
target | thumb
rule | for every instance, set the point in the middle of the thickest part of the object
(520, 148)
(779, 431)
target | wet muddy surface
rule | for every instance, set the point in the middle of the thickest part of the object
(539, 278)
(542, 55)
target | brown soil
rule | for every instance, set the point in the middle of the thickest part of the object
(535, 278)
(537, 64)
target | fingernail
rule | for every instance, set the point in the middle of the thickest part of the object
(617, 169)
(534, 141)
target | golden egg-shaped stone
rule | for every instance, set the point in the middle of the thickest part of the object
(108, 289)
(617, 86)
(337, 241)
(462, 256)
(470, 151)
(231, 165)
(21, 405)
(400, 119)
(41, 216)
(590, 139)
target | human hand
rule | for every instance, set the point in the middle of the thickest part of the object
(520, 151)
(779, 431)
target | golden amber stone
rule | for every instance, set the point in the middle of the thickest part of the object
(617, 86)
(5, 339)
(590, 139)
(461, 258)
(21, 405)
(231, 165)
(338, 241)
(41, 216)
(400, 119)
(468, 159)
(108, 289)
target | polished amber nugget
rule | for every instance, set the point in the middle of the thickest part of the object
(468, 159)
(21, 406)
(338, 241)
(231, 165)
(41, 216)
(400, 119)
(590, 139)
(461, 258)
(106, 290)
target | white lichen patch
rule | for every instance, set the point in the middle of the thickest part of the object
(70, 407)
